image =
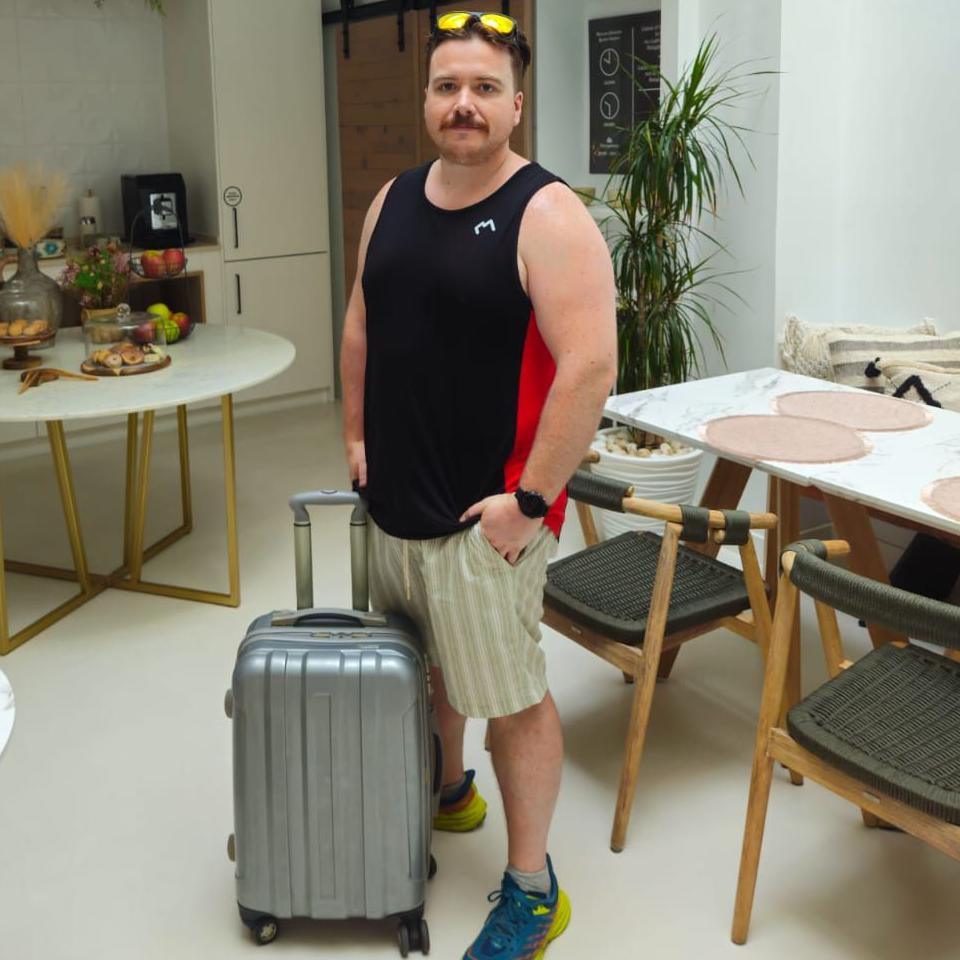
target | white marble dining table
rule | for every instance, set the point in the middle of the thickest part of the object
(215, 362)
(890, 477)
(886, 483)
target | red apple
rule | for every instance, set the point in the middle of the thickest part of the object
(174, 260)
(152, 262)
(145, 333)
(182, 320)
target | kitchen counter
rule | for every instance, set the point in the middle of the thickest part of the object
(48, 265)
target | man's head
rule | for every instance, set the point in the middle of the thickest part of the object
(496, 29)
(473, 98)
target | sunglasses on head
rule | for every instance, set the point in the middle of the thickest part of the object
(497, 22)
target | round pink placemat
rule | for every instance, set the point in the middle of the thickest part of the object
(944, 497)
(793, 439)
(859, 410)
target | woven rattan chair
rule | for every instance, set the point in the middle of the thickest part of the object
(882, 732)
(635, 598)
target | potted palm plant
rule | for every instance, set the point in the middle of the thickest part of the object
(671, 169)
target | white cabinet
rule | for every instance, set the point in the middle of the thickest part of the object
(245, 110)
(268, 101)
(289, 296)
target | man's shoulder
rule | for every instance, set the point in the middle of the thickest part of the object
(555, 207)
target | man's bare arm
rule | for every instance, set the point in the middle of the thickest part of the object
(353, 352)
(570, 282)
(569, 278)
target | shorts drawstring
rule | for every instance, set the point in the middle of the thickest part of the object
(406, 569)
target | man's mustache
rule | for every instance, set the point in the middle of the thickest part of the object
(464, 123)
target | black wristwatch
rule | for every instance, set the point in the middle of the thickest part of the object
(531, 503)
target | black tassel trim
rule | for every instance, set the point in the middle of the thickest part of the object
(913, 382)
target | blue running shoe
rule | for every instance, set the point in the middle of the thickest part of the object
(521, 925)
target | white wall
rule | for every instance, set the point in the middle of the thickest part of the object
(335, 194)
(749, 29)
(868, 190)
(749, 34)
(81, 90)
(560, 54)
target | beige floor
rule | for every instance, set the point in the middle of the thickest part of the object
(115, 795)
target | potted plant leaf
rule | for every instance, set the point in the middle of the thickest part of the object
(670, 170)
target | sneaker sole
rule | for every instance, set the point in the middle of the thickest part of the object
(464, 820)
(561, 921)
(455, 823)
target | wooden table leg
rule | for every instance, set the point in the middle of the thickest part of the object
(723, 492)
(788, 496)
(772, 541)
(851, 522)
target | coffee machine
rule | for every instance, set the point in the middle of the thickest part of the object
(154, 210)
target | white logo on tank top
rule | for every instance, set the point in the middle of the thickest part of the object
(484, 223)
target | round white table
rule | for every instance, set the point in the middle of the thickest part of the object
(7, 710)
(216, 361)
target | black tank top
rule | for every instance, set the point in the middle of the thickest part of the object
(456, 371)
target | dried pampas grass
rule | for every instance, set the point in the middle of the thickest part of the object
(29, 201)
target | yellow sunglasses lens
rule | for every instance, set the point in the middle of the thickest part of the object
(492, 21)
(452, 21)
(501, 24)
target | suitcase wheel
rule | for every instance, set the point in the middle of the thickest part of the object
(232, 848)
(265, 930)
(413, 934)
(403, 938)
(228, 703)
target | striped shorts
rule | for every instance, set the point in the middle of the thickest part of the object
(479, 615)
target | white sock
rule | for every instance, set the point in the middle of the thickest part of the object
(537, 882)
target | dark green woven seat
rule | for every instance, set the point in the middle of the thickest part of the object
(607, 587)
(892, 721)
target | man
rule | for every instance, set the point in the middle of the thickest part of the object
(478, 348)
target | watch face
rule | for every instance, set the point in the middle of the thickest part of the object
(531, 504)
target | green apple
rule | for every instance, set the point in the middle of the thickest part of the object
(171, 332)
(160, 310)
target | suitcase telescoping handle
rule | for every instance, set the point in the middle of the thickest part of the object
(327, 617)
(303, 550)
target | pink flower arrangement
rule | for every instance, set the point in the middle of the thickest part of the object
(99, 277)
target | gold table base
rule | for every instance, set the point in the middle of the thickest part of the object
(128, 575)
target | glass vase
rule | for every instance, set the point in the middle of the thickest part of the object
(31, 303)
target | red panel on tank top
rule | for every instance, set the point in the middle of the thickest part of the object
(537, 371)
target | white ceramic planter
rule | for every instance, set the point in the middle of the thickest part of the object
(670, 478)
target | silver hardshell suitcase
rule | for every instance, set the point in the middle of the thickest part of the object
(336, 764)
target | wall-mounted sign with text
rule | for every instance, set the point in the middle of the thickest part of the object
(622, 92)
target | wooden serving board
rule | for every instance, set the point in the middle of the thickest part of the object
(96, 370)
(32, 341)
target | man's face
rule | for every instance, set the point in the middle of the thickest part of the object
(470, 107)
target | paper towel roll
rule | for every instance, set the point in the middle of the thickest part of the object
(89, 206)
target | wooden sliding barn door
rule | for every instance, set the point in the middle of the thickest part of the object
(380, 105)
(380, 93)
